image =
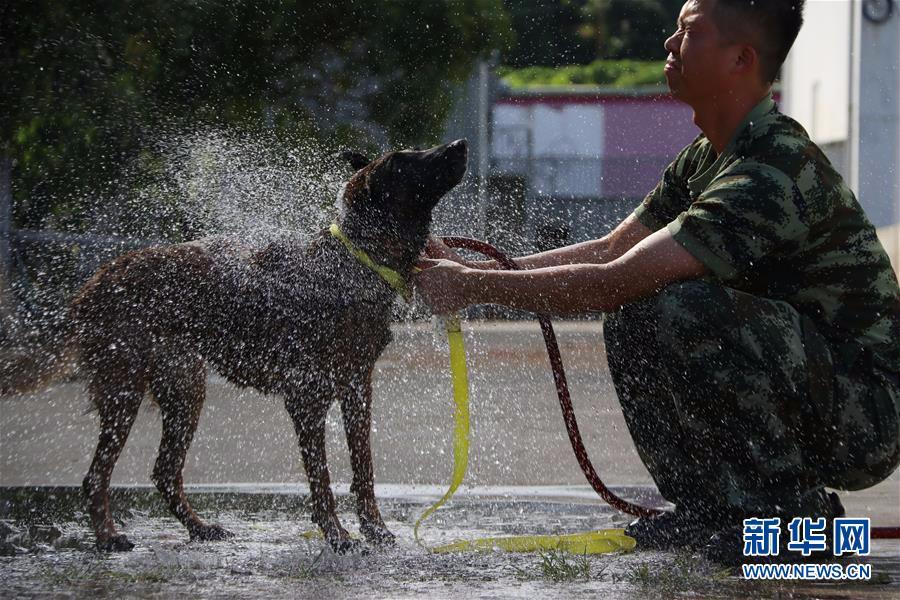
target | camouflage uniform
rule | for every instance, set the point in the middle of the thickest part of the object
(752, 388)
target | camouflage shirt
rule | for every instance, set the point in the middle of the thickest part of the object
(770, 216)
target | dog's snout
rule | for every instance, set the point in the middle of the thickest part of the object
(458, 147)
(456, 152)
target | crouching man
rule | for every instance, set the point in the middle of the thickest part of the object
(753, 318)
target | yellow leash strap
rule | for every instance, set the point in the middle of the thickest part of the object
(390, 276)
(590, 542)
(460, 376)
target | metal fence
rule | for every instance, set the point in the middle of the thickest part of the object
(39, 270)
(578, 176)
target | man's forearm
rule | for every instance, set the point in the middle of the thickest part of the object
(646, 268)
(590, 252)
(594, 252)
(559, 290)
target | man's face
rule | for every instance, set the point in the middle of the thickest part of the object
(697, 68)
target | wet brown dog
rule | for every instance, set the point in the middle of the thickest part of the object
(304, 321)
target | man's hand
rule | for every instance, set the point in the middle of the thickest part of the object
(436, 249)
(442, 285)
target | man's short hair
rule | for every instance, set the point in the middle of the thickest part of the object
(770, 26)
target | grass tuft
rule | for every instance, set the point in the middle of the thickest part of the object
(683, 574)
(558, 565)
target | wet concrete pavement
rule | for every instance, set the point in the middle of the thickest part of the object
(518, 436)
(520, 456)
(271, 554)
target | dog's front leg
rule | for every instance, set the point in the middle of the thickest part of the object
(356, 409)
(308, 413)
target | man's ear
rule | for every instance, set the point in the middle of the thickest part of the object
(747, 59)
(355, 159)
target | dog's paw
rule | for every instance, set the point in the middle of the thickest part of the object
(349, 546)
(116, 543)
(378, 535)
(210, 533)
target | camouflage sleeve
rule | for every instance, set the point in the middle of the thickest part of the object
(741, 217)
(664, 203)
(670, 197)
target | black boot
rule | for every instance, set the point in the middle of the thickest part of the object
(726, 547)
(679, 528)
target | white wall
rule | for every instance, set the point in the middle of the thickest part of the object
(562, 144)
(816, 76)
(875, 119)
(841, 82)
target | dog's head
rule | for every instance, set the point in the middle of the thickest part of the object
(393, 196)
(406, 183)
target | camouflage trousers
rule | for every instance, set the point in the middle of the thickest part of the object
(737, 403)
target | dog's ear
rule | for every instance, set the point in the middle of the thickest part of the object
(354, 159)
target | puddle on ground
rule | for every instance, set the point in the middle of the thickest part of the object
(47, 550)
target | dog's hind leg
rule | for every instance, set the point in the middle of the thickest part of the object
(356, 410)
(308, 411)
(117, 394)
(179, 386)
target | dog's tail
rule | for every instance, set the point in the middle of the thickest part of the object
(36, 366)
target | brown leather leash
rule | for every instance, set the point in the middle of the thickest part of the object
(565, 400)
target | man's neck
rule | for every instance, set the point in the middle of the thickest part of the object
(719, 119)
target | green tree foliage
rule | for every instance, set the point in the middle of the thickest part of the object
(90, 84)
(547, 33)
(626, 28)
(554, 33)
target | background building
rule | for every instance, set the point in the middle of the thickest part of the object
(584, 158)
(841, 81)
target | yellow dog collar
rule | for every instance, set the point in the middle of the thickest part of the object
(390, 276)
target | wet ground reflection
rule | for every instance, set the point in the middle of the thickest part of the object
(48, 549)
